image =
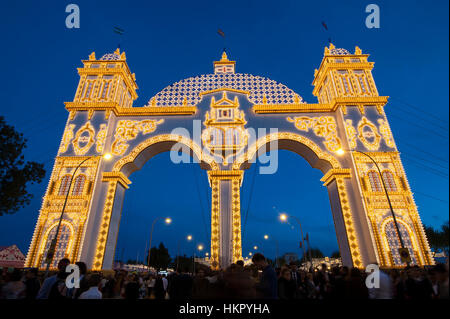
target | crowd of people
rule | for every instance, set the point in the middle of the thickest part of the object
(258, 280)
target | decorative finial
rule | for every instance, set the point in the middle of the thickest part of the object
(332, 46)
(117, 51)
(92, 56)
(264, 99)
(185, 101)
(224, 56)
(357, 50)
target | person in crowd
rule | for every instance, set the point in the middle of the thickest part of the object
(418, 286)
(311, 289)
(93, 291)
(131, 288)
(287, 287)
(441, 271)
(355, 287)
(295, 276)
(50, 282)
(267, 287)
(150, 285)
(165, 284)
(200, 285)
(83, 284)
(159, 288)
(384, 290)
(181, 287)
(323, 281)
(108, 287)
(32, 284)
(14, 287)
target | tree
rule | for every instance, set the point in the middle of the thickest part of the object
(438, 239)
(15, 173)
(315, 253)
(159, 257)
(336, 254)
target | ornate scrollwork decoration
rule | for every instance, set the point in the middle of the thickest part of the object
(368, 134)
(67, 137)
(386, 132)
(84, 139)
(323, 126)
(127, 130)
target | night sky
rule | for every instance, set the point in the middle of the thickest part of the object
(167, 41)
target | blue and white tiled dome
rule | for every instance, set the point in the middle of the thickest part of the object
(275, 93)
(110, 56)
(339, 51)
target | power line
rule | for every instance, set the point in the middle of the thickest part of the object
(421, 110)
(427, 161)
(419, 126)
(423, 151)
(427, 168)
(430, 196)
(422, 118)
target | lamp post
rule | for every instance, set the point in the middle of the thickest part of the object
(284, 217)
(51, 250)
(188, 238)
(167, 220)
(266, 237)
(342, 152)
(200, 248)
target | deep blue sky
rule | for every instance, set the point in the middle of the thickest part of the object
(167, 41)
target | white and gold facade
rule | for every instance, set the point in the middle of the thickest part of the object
(349, 115)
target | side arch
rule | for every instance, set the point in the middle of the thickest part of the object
(296, 143)
(154, 145)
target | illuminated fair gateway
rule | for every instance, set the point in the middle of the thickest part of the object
(349, 116)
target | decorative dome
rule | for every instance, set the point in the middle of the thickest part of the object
(339, 51)
(275, 93)
(110, 56)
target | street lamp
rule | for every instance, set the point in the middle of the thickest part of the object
(51, 250)
(255, 247)
(266, 237)
(200, 248)
(168, 221)
(341, 152)
(284, 217)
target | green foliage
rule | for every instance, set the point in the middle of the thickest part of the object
(159, 257)
(336, 254)
(438, 239)
(315, 253)
(15, 172)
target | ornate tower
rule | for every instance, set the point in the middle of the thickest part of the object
(344, 82)
(106, 86)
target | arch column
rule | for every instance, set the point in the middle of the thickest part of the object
(110, 220)
(226, 242)
(346, 232)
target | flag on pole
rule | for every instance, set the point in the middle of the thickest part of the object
(221, 33)
(118, 30)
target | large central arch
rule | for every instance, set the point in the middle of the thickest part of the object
(227, 120)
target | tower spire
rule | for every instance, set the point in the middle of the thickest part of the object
(224, 66)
